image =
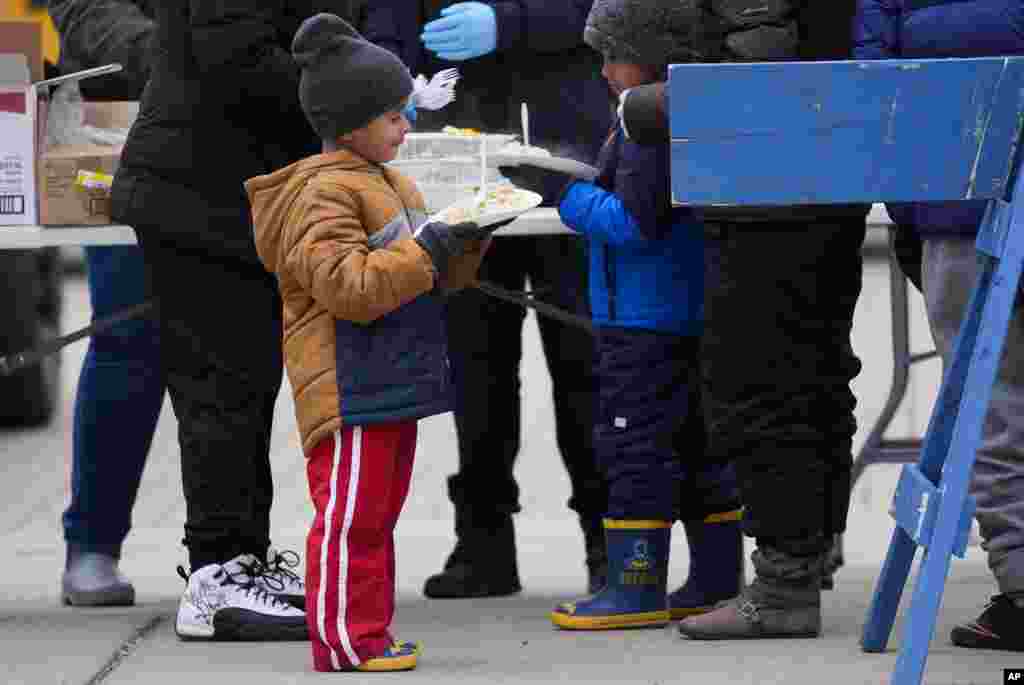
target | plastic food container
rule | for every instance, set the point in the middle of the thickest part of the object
(446, 167)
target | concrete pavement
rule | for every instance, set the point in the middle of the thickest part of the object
(479, 641)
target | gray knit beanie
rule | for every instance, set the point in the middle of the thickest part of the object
(654, 32)
(346, 81)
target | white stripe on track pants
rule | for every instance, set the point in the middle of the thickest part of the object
(358, 480)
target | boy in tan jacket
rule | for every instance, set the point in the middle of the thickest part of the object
(364, 343)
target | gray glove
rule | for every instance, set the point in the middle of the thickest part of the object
(443, 241)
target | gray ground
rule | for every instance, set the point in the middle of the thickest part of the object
(481, 641)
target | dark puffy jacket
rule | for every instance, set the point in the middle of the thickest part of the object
(640, 246)
(98, 32)
(540, 59)
(221, 106)
(939, 28)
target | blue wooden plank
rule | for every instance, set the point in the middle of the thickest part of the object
(916, 507)
(886, 600)
(992, 234)
(832, 132)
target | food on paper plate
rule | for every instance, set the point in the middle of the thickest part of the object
(499, 199)
(517, 148)
(453, 131)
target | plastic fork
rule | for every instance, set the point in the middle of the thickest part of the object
(438, 92)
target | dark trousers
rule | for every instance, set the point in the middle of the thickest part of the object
(649, 433)
(485, 348)
(777, 365)
(117, 405)
(220, 328)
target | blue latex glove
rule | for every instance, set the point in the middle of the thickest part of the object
(464, 31)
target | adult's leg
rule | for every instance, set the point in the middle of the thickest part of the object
(220, 326)
(485, 348)
(950, 269)
(117, 403)
(778, 362)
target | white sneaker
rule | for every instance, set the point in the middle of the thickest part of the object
(219, 605)
(275, 575)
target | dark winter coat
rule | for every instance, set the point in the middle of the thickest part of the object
(540, 59)
(641, 248)
(939, 28)
(94, 33)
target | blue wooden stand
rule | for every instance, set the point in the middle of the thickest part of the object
(890, 131)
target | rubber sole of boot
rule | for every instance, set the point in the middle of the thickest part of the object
(681, 613)
(748, 636)
(648, 619)
(116, 597)
(474, 592)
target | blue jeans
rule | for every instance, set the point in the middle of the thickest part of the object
(120, 393)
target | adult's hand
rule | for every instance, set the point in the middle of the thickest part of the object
(464, 31)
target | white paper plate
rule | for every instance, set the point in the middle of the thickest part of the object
(561, 164)
(530, 200)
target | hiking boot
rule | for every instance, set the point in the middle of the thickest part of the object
(94, 580)
(483, 563)
(223, 602)
(1000, 626)
(634, 596)
(783, 601)
(716, 564)
(596, 554)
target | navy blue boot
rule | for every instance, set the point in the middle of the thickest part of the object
(716, 564)
(634, 596)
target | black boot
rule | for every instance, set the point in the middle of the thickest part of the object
(483, 563)
(596, 553)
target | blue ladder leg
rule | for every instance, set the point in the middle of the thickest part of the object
(978, 348)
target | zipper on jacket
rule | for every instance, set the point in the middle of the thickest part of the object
(609, 280)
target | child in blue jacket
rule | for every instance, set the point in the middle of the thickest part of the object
(646, 295)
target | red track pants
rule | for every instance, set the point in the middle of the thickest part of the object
(358, 479)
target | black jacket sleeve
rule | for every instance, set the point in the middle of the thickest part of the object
(98, 32)
(541, 25)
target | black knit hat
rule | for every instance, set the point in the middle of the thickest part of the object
(346, 81)
(654, 32)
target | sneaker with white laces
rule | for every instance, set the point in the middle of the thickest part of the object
(221, 605)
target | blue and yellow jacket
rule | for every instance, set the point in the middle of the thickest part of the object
(889, 29)
(646, 257)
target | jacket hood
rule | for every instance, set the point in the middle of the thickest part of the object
(272, 197)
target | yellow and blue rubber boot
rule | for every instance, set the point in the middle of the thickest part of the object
(635, 594)
(716, 564)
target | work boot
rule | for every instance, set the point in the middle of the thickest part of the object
(93, 580)
(716, 564)
(634, 596)
(483, 563)
(596, 554)
(783, 601)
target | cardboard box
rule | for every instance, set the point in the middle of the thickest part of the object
(31, 192)
(61, 201)
(19, 137)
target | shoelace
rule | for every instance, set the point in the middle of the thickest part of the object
(248, 587)
(279, 568)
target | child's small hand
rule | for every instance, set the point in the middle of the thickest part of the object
(443, 241)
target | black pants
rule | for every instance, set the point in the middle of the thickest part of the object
(649, 433)
(777, 369)
(485, 348)
(220, 328)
